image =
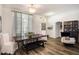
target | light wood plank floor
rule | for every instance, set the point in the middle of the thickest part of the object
(52, 47)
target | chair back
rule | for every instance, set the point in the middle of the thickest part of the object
(5, 38)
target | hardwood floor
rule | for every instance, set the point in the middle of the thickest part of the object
(52, 47)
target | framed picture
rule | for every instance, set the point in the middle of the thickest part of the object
(43, 26)
(50, 28)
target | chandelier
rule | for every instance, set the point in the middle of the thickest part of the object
(32, 8)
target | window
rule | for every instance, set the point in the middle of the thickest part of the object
(23, 22)
(18, 24)
(24, 25)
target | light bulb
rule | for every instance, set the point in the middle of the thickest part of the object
(32, 10)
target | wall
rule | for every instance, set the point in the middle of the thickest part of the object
(37, 20)
(61, 17)
(51, 32)
(7, 20)
(30, 23)
(0, 10)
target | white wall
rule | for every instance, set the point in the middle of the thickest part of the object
(51, 23)
(37, 20)
(61, 17)
(0, 10)
(30, 23)
(7, 20)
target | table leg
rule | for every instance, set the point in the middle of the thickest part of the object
(43, 45)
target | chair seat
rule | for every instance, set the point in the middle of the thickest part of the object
(8, 48)
(68, 40)
(7, 45)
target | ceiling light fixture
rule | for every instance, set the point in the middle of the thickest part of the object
(32, 8)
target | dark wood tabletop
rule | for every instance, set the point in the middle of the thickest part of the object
(34, 38)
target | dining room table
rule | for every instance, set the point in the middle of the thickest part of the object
(34, 39)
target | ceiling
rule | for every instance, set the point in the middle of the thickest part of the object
(45, 8)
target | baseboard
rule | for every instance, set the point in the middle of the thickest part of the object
(54, 38)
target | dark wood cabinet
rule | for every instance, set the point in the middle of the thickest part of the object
(73, 28)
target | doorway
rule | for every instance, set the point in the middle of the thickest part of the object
(58, 29)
